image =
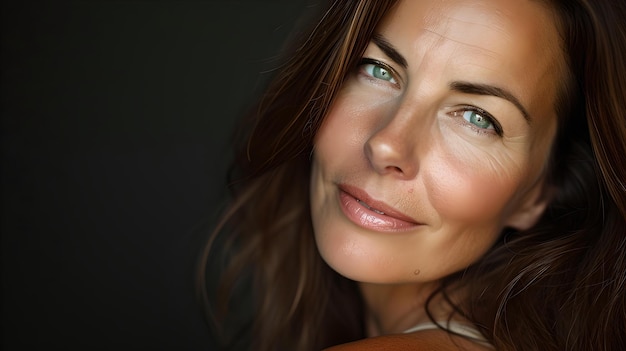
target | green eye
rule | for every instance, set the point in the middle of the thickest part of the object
(379, 72)
(477, 119)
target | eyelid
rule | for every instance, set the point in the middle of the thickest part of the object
(496, 125)
(394, 73)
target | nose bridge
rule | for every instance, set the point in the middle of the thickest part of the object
(394, 148)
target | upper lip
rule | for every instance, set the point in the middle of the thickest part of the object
(362, 195)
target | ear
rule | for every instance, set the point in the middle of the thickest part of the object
(531, 208)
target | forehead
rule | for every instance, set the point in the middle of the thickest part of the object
(512, 43)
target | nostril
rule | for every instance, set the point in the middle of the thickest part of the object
(395, 169)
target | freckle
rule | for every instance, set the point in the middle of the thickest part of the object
(416, 272)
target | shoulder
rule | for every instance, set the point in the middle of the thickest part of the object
(422, 340)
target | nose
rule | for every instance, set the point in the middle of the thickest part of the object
(392, 150)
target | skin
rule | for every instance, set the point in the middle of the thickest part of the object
(404, 136)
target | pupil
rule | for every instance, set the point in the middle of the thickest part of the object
(478, 119)
(381, 72)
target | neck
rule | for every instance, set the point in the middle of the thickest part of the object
(395, 308)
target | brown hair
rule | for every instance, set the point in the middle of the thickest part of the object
(559, 285)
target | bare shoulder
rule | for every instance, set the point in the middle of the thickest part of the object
(423, 340)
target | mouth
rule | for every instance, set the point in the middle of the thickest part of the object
(368, 213)
(368, 207)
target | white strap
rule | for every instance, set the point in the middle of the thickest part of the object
(456, 327)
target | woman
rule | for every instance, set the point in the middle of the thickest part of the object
(437, 175)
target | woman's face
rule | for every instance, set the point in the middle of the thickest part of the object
(438, 140)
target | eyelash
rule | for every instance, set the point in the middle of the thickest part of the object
(497, 128)
(369, 61)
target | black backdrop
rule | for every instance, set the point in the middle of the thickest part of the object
(115, 126)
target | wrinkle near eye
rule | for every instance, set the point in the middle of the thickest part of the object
(505, 167)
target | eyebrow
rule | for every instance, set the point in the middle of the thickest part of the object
(485, 89)
(389, 50)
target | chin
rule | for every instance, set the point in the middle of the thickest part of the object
(358, 262)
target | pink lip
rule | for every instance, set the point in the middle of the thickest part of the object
(367, 215)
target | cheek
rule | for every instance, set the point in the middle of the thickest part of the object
(338, 130)
(467, 190)
(353, 116)
(340, 139)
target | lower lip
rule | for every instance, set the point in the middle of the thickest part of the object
(366, 218)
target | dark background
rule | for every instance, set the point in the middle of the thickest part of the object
(115, 125)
